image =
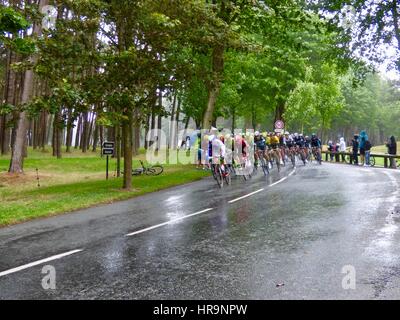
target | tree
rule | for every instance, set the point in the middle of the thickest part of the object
(368, 23)
(17, 158)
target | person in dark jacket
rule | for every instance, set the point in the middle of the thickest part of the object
(392, 149)
(362, 140)
(355, 145)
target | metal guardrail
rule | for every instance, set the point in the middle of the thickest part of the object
(386, 157)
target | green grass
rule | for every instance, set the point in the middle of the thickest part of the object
(77, 181)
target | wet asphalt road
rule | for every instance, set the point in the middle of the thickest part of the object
(299, 232)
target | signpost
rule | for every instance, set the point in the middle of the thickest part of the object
(107, 149)
(279, 126)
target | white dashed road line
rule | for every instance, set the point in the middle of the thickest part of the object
(258, 191)
(168, 222)
(32, 264)
(246, 196)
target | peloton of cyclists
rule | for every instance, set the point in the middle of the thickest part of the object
(274, 147)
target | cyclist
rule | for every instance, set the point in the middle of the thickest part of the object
(218, 152)
(282, 146)
(299, 141)
(260, 145)
(275, 151)
(241, 148)
(316, 147)
(307, 145)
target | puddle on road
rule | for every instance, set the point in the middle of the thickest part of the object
(382, 247)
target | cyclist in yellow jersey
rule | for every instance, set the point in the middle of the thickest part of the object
(268, 139)
(275, 152)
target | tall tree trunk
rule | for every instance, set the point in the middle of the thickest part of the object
(215, 85)
(101, 135)
(89, 136)
(127, 142)
(137, 138)
(78, 132)
(118, 149)
(279, 111)
(9, 96)
(159, 120)
(70, 128)
(146, 129)
(95, 137)
(85, 132)
(17, 159)
(57, 136)
(172, 124)
(233, 111)
(178, 113)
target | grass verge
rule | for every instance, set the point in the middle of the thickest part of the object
(74, 183)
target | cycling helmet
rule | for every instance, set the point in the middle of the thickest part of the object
(257, 133)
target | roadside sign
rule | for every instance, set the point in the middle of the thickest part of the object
(107, 150)
(279, 125)
(278, 130)
(108, 145)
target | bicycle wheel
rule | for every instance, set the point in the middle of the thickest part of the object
(264, 166)
(156, 170)
(347, 159)
(228, 178)
(213, 171)
(293, 160)
(137, 172)
(303, 157)
(218, 176)
(231, 169)
(283, 159)
(278, 163)
(372, 161)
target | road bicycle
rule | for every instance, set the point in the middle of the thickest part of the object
(263, 162)
(243, 167)
(317, 154)
(292, 156)
(220, 174)
(275, 155)
(155, 170)
(349, 160)
(300, 152)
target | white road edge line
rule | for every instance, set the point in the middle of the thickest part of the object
(246, 196)
(32, 264)
(283, 179)
(168, 222)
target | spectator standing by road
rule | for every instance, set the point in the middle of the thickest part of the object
(392, 150)
(363, 139)
(337, 148)
(331, 149)
(355, 145)
(342, 148)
